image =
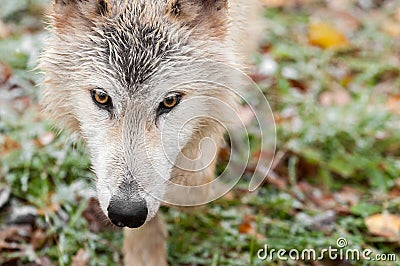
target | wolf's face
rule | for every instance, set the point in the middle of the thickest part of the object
(125, 75)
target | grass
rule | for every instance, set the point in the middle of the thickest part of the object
(339, 165)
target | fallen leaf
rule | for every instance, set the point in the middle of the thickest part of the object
(38, 239)
(347, 196)
(81, 258)
(52, 208)
(393, 104)
(386, 225)
(336, 97)
(248, 226)
(8, 145)
(326, 36)
(12, 236)
(5, 73)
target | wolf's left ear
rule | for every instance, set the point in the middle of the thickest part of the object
(195, 12)
(75, 13)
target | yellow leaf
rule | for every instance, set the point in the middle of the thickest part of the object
(326, 36)
(386, 225)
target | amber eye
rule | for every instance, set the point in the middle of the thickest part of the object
(170, 101)
(101, 99)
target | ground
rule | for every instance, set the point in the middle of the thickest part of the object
(330, 70)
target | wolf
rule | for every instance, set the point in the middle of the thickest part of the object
(124, 75)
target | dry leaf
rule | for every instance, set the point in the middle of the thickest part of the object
(336, 97)
(386, 225)
(8, 145)
(38, 239)
(51, 207)
(393, 104)
(5, 73)
(81, 258)
(347, 196)
(248, 227)
(326, 36)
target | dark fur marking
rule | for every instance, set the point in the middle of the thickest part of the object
(133, 50)
(103, 7)
(176, 8)
(68, 2)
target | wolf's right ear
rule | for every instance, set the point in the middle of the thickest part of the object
(76, 13)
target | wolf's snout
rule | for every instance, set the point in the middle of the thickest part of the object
(127, 213)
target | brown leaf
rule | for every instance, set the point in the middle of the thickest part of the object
(336, 97)
(12, 236)
(386, 225)
(5, 73)
(248, 225)
(8, 145)
(38, 239)
(81, 258)
(347, 196)
(393, 104)
(51, 207)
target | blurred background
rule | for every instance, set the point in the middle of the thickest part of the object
(331, 72)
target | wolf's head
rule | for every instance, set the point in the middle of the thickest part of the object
(123, 74)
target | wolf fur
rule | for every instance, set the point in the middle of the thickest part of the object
(136, 50)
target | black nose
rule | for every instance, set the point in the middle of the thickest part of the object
(127, 213)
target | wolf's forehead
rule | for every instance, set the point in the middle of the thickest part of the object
(139, 41)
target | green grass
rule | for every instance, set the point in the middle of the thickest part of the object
(326, 150)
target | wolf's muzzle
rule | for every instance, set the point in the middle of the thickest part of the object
(127, 213)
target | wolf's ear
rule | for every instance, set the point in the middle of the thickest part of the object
(75, 13)
(195, 12)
